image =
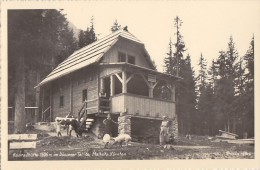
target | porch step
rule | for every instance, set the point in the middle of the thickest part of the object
(89, 123)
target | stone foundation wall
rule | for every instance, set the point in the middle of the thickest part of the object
(140, 129)
(173, 128)
(124, 124)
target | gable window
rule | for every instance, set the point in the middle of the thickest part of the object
(61, 101)
(84, 95)
(131, 59)
(121, 57)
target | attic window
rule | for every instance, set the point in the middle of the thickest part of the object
(131, 59)
(121, 57)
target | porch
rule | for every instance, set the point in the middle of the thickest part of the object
(141, 91)
(142, 106)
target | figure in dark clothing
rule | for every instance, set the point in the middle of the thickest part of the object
(109, 125)
(67, 126)
(73, 125)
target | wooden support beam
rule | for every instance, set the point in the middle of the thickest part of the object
(119, 78)
(112, 85)
(46, 110)
(124, 84)
(150, 92)
(129, 78)
(51, 101)
(173, 92)
(148, 84)
(37, 98)
(153, 86)
(71, 95)
(42, 104)
(102, 84)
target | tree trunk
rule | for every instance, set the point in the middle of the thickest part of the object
(37, 97)
(20, 115)
(228, 125)
(234, 125)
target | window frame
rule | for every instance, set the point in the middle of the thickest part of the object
(84, 95)
(131, 57)
(61, 101)
(120, 56)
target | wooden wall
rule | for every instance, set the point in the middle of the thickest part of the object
(61, 87)
(82, 79)
(145, 106)
(128, 47)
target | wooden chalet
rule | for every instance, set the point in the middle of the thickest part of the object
(112, 75)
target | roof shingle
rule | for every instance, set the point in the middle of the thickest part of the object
(87, 55)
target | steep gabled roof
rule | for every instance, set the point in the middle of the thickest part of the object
(90, 54)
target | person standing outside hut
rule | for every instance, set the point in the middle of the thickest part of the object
(164, 132)
(108, 122)
(58, 127)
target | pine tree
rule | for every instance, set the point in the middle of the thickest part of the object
(176, 64)
(87, 37)
(212, 75)
(35, 39)
(202, 94)
(202, 77)
(115, 26)
(187, 96)
(81, 42)
(248, 118)
(170, 61)
(239, 103)
(179, 45)
(225, 88)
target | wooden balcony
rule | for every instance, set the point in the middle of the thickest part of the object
(142, 106)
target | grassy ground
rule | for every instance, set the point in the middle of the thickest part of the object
(88, 147)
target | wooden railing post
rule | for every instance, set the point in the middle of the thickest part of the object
(124, 84)
(112, 85)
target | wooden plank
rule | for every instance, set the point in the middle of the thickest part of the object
(119, 78)
(90, 120)
(88, 123)
(232, 134)
(22, 145)
(29, 107)
(64, 118)
(22, 137)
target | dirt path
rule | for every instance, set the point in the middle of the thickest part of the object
(88, 147)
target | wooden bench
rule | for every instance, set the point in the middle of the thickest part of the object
(22, 141)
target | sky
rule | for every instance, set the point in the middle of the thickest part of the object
(207, 25)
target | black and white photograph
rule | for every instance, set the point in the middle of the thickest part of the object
(173, 81)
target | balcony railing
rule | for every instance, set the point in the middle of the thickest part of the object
(142, 105)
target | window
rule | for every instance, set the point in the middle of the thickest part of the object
(84, 95)
(61, 101)
(121, 57)
(131, 59)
